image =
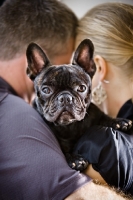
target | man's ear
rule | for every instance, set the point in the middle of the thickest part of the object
(83, 57)
(37, 60)
(101, 66)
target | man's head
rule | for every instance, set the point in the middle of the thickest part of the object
(49, 23)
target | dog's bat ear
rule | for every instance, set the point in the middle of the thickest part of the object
(83, 57)
(37, 60)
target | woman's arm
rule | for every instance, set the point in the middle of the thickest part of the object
(94, 174)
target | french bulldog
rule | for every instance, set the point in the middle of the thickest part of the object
(63, 97)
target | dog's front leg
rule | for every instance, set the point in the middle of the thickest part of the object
(100, 118)
(76, 161)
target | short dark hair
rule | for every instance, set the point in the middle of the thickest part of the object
(49, 23)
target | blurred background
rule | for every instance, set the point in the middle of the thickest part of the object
(80, 7)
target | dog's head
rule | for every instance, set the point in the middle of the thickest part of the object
(63, 92)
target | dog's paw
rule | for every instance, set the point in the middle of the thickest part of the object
(77, 162)
(122, 124)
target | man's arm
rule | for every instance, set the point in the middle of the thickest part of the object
(92, 191)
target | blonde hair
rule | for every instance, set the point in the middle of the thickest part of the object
(110, 27)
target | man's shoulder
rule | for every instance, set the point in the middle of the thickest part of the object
(15, 109)
(19, 116)
(16, 103)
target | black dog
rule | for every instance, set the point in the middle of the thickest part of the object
(63, 97)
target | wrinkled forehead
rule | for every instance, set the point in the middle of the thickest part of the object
(64, 74)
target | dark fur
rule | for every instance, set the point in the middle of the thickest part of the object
(63, 97)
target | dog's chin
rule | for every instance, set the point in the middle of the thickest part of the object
(65, 118)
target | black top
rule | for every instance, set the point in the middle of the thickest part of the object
(126, 110)
(32, 166)
(110, 152)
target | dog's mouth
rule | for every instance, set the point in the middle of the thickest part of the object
(65, 118)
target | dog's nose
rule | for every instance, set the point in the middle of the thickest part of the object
(65, 98)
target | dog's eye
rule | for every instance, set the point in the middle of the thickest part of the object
(46, 90)
(81, 88)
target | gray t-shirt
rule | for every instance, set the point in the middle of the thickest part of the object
(32, 166)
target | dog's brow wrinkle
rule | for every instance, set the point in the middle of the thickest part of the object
(63, 76)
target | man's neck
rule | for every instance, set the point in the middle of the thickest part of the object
(14, 72)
